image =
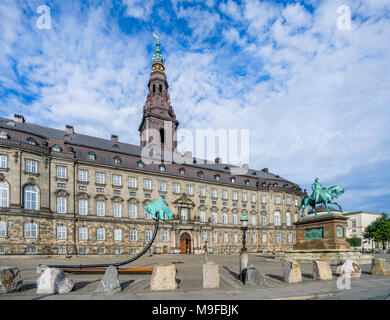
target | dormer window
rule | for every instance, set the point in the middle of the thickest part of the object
(264, 184)
(217, 177)
(32, 141)
(162, 168)
(275, 185)
(56, 148)
(286, 185)
(91, 156)
(233, 180)
(115, 146)
(182, 171)
(254, 173)
(140, 164)
(200, 174)
(247, 182)
(3, 135)
(117, 160)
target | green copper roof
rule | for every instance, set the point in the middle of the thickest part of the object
(157, 56)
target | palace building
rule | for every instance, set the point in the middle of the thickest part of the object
(62, 192)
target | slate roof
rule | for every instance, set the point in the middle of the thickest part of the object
(124, 148)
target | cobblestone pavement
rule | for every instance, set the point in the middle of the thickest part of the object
(189, 277)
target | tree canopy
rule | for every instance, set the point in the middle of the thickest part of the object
(379, 230)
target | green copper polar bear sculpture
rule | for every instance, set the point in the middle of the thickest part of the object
(159, 207)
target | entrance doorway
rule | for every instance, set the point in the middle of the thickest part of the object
(165, 250)
(185, 243)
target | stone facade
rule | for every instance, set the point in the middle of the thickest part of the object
(59, 181)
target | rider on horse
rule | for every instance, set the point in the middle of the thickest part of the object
(317, 187)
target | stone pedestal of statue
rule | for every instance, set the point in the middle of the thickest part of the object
(324, 231)
(323, 237)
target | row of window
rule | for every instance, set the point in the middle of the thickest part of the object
(31, 231)
(32, 167)
(31, 203)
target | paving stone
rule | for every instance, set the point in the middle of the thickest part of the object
(380, 267)
(10, 279)
(210, 275)
(252, 276)
(164, 278)
(321, 270)
(53, 280)
(291, 271)
(109, 282)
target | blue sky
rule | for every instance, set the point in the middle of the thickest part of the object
(315, 98)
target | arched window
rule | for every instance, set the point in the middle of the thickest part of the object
(61, 232)
(56, 148)
(162, 136)
(4, 194)
(264, 220)
(3, 229)
(117, 234)
(91, 156)
(31, 198)
(288, 219)
(140, 164)
(148, 235)
(133, 235)
(200, 174)
(32, 141)
(277, 218)
(160, 88)
(30, 230)
(100, 234)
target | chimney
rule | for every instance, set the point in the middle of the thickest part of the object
(188, 157)
(218, 160)
(19, 118)
(245, 166)
(265, 170)
(69, 130)
(114, 139)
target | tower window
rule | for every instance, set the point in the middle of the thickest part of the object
(162, 136)
(154, 88)
(160, 88)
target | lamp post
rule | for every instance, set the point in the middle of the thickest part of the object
(205, 257)
(244, 252)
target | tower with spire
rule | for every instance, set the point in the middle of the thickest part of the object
(158, 113)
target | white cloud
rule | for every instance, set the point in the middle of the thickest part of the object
(314, 98)
(139, 9)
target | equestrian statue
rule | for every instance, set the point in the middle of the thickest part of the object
(321, 195)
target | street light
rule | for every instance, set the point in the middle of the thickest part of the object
(243, 253)
(244, 227)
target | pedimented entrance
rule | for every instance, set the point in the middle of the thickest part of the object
(185, 243)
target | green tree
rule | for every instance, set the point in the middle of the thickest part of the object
(354, 241)
(379, 230)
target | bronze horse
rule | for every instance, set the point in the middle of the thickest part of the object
(326, 196)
